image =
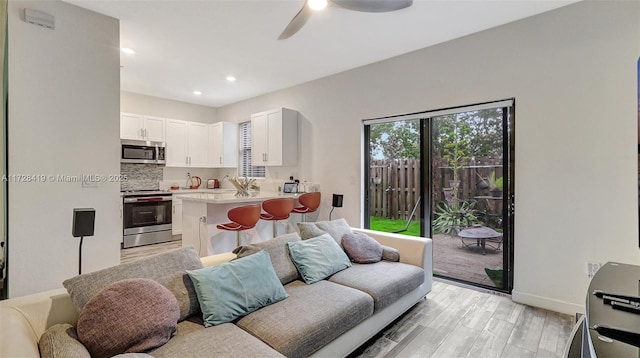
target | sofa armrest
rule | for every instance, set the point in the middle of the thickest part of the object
(17, 337)
(413, 250)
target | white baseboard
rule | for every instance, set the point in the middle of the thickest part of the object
(547, 303)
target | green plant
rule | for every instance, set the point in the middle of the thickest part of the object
(456, 148)
(450, 219)
(495, 184)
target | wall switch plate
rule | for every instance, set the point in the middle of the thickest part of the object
(592, 268)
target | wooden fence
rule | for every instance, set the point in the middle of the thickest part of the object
(394, 186)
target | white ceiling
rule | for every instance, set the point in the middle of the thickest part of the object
(185, 45)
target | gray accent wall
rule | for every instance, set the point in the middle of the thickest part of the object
(572, 72)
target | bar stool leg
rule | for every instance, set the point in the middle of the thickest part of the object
(238, 238)
(275, 228)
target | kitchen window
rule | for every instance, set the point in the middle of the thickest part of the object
(245, 168)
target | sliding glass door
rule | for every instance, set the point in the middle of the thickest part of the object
(394, 180)
(462, 198)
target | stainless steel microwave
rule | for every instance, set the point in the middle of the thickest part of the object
(143, 152)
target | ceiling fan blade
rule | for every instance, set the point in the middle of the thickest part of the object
(373, 5)
(297, 22)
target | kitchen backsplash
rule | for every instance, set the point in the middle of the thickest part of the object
(140, 176)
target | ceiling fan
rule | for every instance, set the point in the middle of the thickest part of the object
(357, 5)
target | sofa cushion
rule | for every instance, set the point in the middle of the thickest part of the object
(310, 318)
(236, 288)
(131, 315)
(225, 340)
(318, 258)
(61, 340)
(168, 269)
(385, 281)
(362, 248)
(278, 253)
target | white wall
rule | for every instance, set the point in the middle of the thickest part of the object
(161, 107)
(64, 94)
(573, 74)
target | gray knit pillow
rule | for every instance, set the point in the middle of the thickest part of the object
(361, 248)
(129, 316)
(61, 340)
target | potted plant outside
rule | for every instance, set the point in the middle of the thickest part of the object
(495, 185)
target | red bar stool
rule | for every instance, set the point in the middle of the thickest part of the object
(310, 203)
(277, 209)
(243, 218)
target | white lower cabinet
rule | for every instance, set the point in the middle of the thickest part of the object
(176, 217)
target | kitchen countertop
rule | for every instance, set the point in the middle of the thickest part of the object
(226, 196)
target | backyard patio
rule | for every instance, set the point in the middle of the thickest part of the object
(454, 260)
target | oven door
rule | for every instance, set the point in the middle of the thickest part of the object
(146, 215)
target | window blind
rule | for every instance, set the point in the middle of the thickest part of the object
(246, 169)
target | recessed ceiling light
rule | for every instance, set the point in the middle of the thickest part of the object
(128, 51)
(230, 78)
(197, 93)
(317, 4)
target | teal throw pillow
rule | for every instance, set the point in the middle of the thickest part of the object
(318, 258)
(236, 288)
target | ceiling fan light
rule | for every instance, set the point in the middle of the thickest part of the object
(317, 4)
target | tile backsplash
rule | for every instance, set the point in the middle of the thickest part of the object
(141, 176)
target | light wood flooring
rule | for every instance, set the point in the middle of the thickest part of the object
(455, 322)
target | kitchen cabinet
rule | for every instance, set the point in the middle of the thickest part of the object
(186, 144)
(139, 127)
(274, 138)
(176, 216)
(223, 145)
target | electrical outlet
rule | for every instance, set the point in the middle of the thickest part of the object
(592, 268)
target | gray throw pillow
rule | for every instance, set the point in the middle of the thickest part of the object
(278, 253)
(390, 254)
(361, 248)
(309, 230)
(168, 269)
(129, 316)
(336, 228)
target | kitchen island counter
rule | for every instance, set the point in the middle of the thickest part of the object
(226, 196)
(202, 212)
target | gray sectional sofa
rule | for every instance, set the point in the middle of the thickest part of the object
(329, 318)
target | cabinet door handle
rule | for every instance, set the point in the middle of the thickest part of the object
(220, 160)
(186, 160)
(145, 133)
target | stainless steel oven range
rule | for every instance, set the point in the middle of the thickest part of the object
(146, 218)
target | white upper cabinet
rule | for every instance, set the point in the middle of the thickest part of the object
(274, 138)
(176, 150)
(186, 144)
(223, 145)
(197, 144)
(139, 127)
